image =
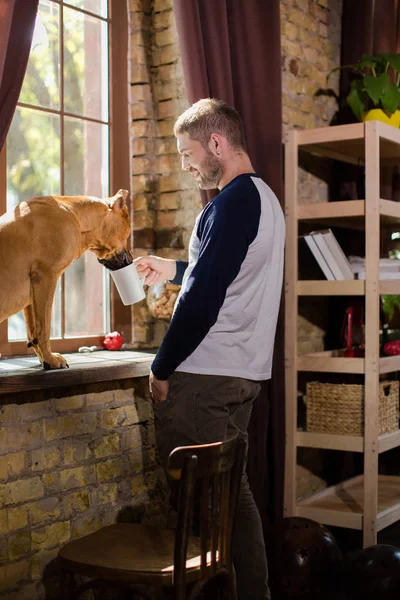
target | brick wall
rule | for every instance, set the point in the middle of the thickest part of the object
(69, 464)
(166, 200)
(311, 36)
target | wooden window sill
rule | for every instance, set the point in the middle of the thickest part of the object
(19, 374)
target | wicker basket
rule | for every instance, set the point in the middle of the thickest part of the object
(339, 408)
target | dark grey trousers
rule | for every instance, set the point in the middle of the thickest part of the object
(201, 409)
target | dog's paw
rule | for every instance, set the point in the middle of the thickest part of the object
(55, 361)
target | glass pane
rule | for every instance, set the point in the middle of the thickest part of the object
(33, 155)
(33, 168)
(98, 7)
(16, 328)
(86, 158)
(86, 172)
(85, 65)
(16, 323)
(41, 83)
(86, 290)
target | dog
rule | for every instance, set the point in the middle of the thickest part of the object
(39, 239)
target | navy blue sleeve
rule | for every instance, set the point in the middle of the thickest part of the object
(181, 267)
(227, 227)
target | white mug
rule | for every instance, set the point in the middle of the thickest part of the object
(128, 284)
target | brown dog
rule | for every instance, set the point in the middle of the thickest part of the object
(39, 239)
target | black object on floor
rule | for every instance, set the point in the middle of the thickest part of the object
(373, 573)
(305, 562)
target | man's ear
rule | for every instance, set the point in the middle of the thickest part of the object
(117, 202)
(214, 144)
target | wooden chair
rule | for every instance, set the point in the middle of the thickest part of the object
(157, 563)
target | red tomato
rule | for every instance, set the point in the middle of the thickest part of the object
(392, 348)
(113, 341)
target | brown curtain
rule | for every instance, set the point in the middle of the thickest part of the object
(17, 22)
(231, 50)
(368, 27)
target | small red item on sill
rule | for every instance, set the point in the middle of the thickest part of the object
(392, 348)
(113, 341)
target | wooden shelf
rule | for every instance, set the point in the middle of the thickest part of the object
(347, 213)
(331, 288)
(387, 441)
(389, 364)
(347, 143)
(326, 441)
(353, 504)
(343, 505)
(347, 443)
(391, 286)
(332, 361)
(389, 211)
(344, 288)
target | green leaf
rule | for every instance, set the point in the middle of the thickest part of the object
(391, 99)
(355, 101)
(389, 304)
(394, 61)
(376, 87)
(365, 58)
(332, 71)
(363, 64)
(355, 67)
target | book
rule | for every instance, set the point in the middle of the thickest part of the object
(389, 268)
(329, 255)
(308, 266)
(338, 254)
(319, 257)
(382, 275)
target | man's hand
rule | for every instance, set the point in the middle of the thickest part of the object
(158, 389)
(155, 269)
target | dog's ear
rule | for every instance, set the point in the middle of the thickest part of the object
(117, 202)
(122, 193)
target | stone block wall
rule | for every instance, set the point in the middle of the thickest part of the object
(71, 462)
(311, 41)
(166, 200)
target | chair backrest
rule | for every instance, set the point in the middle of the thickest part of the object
(210, 475)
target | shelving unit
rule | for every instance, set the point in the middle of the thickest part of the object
(369, 502)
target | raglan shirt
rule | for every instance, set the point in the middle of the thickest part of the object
(225, 316)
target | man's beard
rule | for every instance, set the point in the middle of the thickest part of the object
(211, 172)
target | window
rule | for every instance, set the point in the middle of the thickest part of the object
(60, 142)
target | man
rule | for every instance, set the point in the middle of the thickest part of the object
(219, 345)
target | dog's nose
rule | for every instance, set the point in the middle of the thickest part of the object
(117, 261)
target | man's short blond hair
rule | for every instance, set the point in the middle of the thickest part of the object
(208, 116)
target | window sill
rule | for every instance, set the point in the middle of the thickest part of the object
(19, 374)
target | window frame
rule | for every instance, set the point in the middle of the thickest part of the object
(119, 171)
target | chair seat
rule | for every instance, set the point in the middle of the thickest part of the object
(129, 552)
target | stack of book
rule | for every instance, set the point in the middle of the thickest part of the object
(389, 268)
(335, 265)
(329, 255)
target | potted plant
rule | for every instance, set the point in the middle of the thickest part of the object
(375, 89)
